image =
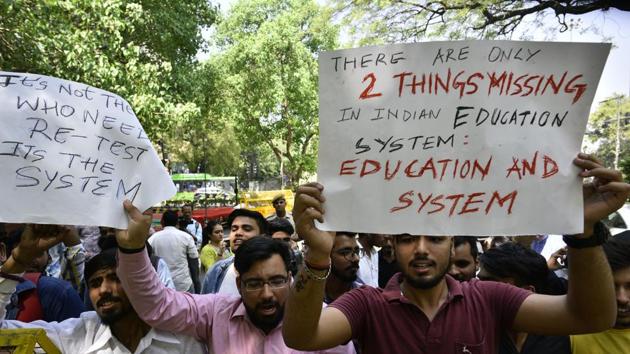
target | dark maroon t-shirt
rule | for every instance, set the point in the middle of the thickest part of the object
(470, 321)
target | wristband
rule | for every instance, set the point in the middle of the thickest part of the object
(9, 276)
(599, 237)
(317, 267)
(131, 250)
(314, 276)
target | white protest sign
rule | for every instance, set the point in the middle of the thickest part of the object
(455, 138)
(71, 153)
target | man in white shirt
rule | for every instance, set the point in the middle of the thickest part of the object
(191, 225)
(179, 251)
(113, 328)
(370, 244)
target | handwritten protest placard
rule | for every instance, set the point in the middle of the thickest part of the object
(71, 153)
(456, 138)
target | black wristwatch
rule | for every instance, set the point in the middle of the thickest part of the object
(599, 237)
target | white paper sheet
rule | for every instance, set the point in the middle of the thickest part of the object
(456, 138)
(71, 153)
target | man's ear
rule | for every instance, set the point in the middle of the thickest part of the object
(238, 283)
(3, 253)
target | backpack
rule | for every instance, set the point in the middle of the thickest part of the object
(30, 307)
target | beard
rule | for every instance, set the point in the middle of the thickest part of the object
(425, 283)
(266, 323)
(345, 276)
(111, 317)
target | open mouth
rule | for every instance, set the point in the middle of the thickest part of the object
(106, 305)
(268, 309)
(421, 267)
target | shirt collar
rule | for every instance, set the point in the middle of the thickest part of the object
(240, 311)
(392, 291)
(154, 334)
(101, 339)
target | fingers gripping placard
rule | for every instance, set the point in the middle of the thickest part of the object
(71, 153)
(444, 138)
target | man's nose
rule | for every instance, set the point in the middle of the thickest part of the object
(454, 270)
(422, 244)
(623, 295)
(105, 287)
(266, 292)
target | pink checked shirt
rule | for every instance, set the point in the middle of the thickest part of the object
(221, 321)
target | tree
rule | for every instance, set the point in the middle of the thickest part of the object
(603, 124)
(268, 73)
(390, 21)
(139, 50)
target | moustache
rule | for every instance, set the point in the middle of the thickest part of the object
(423, 259)
(108, 298)
(267, 304)
(353, 267)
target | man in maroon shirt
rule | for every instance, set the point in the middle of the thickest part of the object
(423, 310)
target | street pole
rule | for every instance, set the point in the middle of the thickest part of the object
(618, 142)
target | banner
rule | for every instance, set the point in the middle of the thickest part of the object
(71, 153)
(456, 138)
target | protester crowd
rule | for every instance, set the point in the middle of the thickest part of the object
(281, 285)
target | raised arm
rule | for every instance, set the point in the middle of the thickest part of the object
(303, 314)
(589, 305)
(157, 305)
(74, 265)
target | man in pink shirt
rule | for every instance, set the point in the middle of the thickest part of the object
(249, 323)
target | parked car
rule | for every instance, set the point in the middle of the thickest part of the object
(619, 220)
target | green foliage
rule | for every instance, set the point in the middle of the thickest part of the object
(603, 124)
(268, 75)
(127, 47)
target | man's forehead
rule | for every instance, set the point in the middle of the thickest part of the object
(244, 220)
(463, 247)
(102, 273)
(267, 268)
(344, 240)
(622, 276)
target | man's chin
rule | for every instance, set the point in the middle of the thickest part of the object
(268, 321)
(110, 317)
(424, 282)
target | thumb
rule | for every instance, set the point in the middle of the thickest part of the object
(134, 213)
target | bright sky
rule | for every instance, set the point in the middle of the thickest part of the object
(613, 25)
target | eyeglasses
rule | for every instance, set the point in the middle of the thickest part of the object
(349, 253)
(257, 285)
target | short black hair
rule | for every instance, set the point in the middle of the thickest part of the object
(346, 233)
(279, 224)
(104, 260)
(260, 248)
(12, 239)
(617, 252)
(169, 218)
(471, 240)
(263, 225)
(513, 260)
